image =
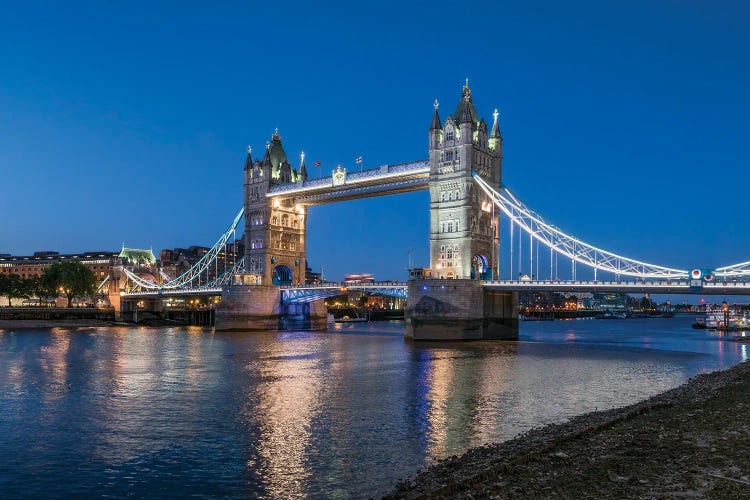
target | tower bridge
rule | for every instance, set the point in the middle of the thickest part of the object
(460, 295)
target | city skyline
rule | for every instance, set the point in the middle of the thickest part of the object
(122, 144)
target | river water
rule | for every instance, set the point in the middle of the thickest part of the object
(176, 412)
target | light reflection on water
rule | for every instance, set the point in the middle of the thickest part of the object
(185, 411)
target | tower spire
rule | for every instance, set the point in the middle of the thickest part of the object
(496, 139)
(466, 113)
(249, 160)
(495, 134)
(302, 167)
(436, 118)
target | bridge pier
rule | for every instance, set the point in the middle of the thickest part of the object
(459, 309)
(259, 308)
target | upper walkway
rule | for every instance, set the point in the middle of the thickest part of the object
(344, 185)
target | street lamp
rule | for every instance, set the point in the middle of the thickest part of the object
(725, 308)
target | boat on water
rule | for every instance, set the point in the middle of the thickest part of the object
(347, 319)
(613, 315)
(724, 319)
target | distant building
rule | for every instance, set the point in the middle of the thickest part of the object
(137, 257)
(175, 261)
(311, 277)
(34, 265)
(611, 301)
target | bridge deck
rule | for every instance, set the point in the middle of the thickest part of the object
(658, 287)
(306, 293)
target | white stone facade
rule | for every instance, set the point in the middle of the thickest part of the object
(463, 224)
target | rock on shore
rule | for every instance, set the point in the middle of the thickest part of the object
(691, 441)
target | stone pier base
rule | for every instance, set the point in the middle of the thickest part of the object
(258, 308)
(448, 309)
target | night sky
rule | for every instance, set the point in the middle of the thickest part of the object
(128, 122)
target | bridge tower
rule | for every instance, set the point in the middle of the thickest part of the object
(464, 232)
(274, 230)
(274, 251)
(463, 223)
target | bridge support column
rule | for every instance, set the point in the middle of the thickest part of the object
(459, 309)
(259, 308)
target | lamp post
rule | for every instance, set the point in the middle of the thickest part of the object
(725, 308)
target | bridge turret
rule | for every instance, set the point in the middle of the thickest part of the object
(496, 139)
(302, 176)
(249, 160)
(465, 123)
(266, 167)
(436, 128)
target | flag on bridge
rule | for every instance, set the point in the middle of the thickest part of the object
(317, 164)
(358, 160)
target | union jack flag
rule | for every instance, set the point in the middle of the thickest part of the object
(317, 163)
(358, 160)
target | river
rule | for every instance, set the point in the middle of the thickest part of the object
(346, 413)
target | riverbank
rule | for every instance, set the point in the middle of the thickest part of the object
(13, 324)
(693, 440)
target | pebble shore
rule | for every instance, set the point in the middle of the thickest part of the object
(691, 441)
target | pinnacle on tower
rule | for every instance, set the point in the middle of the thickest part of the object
(466, 113)
(466, 102)
(436, 118)
(495, 134)
(302, 168)
(466, 91)
(267, 157)
(249, 160)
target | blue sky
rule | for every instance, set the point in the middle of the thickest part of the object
(625, 125)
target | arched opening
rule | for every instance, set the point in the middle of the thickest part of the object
(282, 275)
(480, 267)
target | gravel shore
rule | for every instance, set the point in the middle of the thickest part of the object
(691, 441)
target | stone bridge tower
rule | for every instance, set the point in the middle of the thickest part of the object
(274, 252)
(463, 223)
(274, 228)
(453, 304)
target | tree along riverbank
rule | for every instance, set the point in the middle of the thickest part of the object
(693, 440)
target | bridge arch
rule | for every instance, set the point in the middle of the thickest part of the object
(479, 266)
(282, 275)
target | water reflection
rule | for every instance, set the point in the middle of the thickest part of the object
(188, 412)
(288, 380)
(462, 389)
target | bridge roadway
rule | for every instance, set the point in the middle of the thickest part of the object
(173, 292)
(310, 293)
(656, 287)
